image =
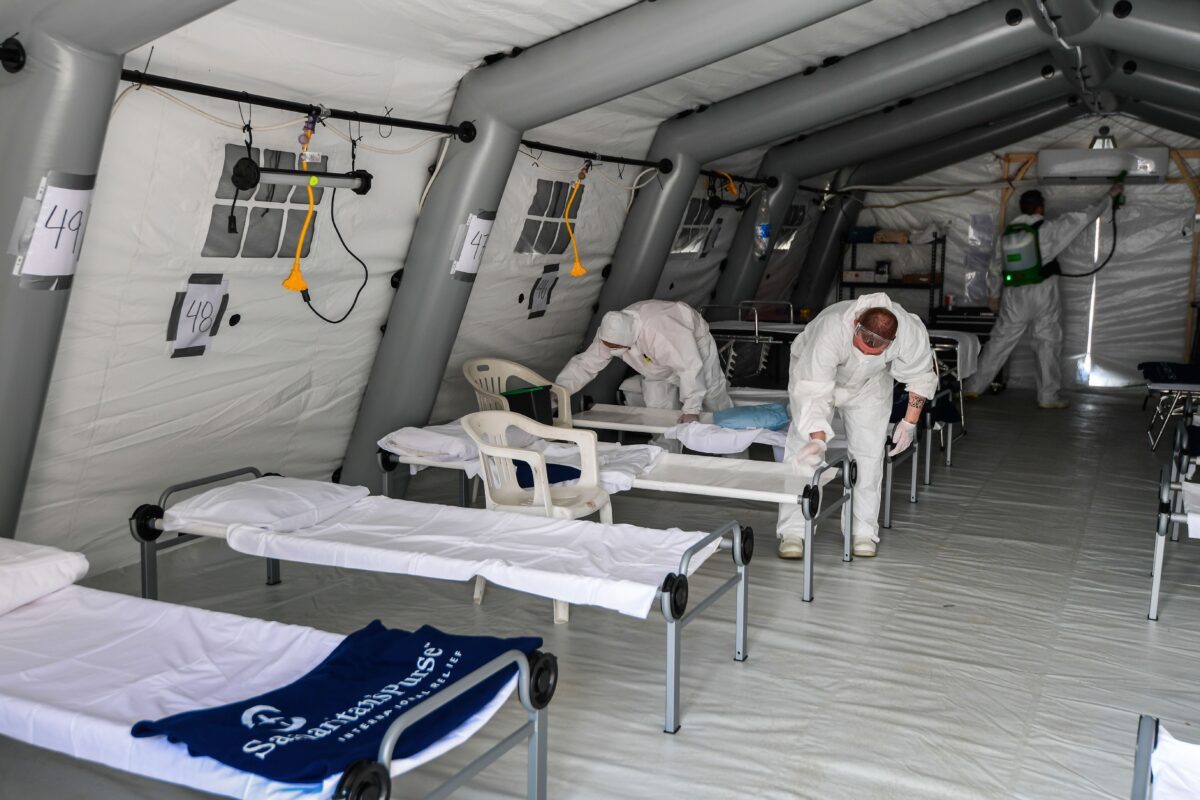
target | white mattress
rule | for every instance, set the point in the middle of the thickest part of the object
(968, 350)
(452, 447)
(1191, 505)
(749, 326)
(631, 419)
(740, 479)
(749, 396)
(620, 567)
(79, 667)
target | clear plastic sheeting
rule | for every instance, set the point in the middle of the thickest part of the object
(1141, 296)
(996, 649)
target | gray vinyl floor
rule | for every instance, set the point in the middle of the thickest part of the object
(998, 647)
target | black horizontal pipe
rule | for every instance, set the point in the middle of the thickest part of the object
(770, 182)
(664, 166)
(464, 131)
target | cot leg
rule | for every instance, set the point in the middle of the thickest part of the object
(848, 525)
(562, 612)
(273, 572)
(1177, 506)
(671, 719)
(807, 593)
(539, 741)
(606, 515)
(1160, 543)
(949, 444)
(916, 463)
(480, 588)
(888, 469)
(464, 493)
(743, 610)
(385, 484)
(149, 570)
(928, 453)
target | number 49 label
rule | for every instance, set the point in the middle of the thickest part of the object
(54, 239)
(196, 314)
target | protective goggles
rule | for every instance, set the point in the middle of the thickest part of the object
(872, 339)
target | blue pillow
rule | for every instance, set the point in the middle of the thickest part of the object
(772, 416)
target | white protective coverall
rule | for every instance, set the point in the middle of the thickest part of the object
(672, 349)
(1036, 306)
(829, 373)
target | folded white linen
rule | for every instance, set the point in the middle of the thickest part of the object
(30, 571)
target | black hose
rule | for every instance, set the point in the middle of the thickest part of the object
(1111, 251)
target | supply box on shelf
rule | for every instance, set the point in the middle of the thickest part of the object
(890, 236)
(861, 276)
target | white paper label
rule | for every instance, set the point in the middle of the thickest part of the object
(199, 313)
(541, 292)
(58, 234)
(471, 254)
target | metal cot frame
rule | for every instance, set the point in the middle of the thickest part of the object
(536, 683)
(146, 527)
(809, 499)
(1147, 740)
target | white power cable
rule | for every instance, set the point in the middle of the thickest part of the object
(437, 167)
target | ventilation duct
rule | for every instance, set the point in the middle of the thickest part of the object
(1079, 166)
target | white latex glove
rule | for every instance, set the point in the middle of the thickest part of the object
(811, 455)
(688, 418)
(903, 436)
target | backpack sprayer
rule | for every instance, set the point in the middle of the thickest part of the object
(1023, 253)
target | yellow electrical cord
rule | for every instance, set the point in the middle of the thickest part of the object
(295, 280)
(578, 270)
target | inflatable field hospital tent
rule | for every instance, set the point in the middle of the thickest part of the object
(673, 130)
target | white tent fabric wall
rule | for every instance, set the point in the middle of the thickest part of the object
(281, 389)
(502, 320)
(1141, 309)
(692, 276)
(783, 267)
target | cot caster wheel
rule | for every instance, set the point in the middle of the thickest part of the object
(675, 587)
(141, 524)
(745, 546)
(853, 473)
(543, 678)
(810, 502)
(364, 780)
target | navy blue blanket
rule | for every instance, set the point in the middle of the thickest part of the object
(338, 713)
(555, 473)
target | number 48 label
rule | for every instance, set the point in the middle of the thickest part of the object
(196, 314)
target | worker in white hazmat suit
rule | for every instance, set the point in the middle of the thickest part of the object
(1030, 297)
(669, 344)
(845, 361)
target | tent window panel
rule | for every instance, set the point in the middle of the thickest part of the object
(710, 240)
(262, 233)
(560, 207)
(300, 196)
(542, 199)
(291, 234)
(273, 192)
(706, 213)
(233, 152)
(562, 241)
(219, 242)
(529, 234)
(546, 237)
(789, 229)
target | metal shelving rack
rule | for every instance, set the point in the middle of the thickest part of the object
(937, 269)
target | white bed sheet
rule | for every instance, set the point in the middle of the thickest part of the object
(619, 567)
(968, 350)
(80, 666)
(1191, 505)
(451, 446)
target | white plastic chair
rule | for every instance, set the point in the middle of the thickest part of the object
(490, 376)
(497, 459)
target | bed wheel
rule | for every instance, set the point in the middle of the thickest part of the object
(364, 780)
(676, 587)
(746, 544)
(810, 502)
(543, 678)
(853, 472)
(141, 524)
